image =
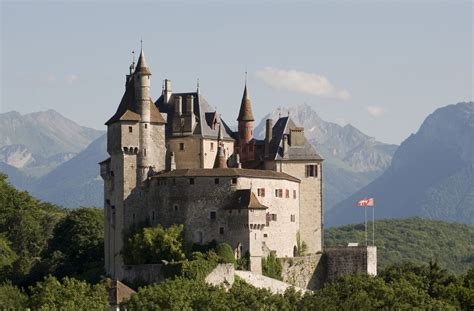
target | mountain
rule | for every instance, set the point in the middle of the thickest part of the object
(36, 143)
(431, 175)
(352, 159)
(44, 133)
(75, 182)
(412, 239)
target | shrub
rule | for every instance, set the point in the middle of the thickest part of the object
(225, 253)
(271, 267)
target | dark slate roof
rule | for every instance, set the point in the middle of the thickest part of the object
(245, 113)
(281, 128)
(203, 112)
(128, 107)
(244, 199)
(227, 172)
(142, 66)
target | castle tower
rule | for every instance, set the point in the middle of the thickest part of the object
(245, 127)
(142, 96)
(136, 145)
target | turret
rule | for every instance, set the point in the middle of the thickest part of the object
(245, 119)
(143, 100)
(221, 161)
(268, 137)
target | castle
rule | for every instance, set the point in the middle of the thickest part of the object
(175, 161)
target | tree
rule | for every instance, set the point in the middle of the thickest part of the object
(272, 267)
(225, 253)
(12, 298)
(154, 245)
(77, 246)
(70, 294)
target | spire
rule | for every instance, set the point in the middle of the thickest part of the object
(245, 113)
(220, 161)
(142, 66)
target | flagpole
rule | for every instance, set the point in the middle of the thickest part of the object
(365, 209)
(373, 225)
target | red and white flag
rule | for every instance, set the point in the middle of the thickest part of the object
(366, 202)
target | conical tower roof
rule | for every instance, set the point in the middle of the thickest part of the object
(245, 113)
(142, 66)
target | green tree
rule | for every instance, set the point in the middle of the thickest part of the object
(12, 298)
(272, 267)
(225, 253)
(70, 294)
(154, 245)
(77, 246)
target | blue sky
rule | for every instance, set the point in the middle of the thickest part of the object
(382, 66)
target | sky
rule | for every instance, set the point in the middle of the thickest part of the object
(382, 66)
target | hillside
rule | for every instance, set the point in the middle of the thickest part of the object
(76, 182)
(431, 175)
(352, 159)
(413, 239)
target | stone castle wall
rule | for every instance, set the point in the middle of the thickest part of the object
(350, 260)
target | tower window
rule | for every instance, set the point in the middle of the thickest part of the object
(191, 181)
(294, 194)
(234, 181)
(144, 152)
(153, 215)
(292, 218)
(212, 215)
(212, 146)
(216, 181)
(311, 170)
(130, 129)
(146, 125)
(181, 146)
(221, 230)
(175, 207)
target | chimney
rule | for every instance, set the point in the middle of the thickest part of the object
(268, 137)
(285, 146)
(172, 162)
(178, 106)
(190, 104)
(237, 160)
(167, 91)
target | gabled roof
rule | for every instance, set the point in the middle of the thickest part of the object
(204, 113)
(282, 127)
(245, 113)
(244, 199)
(128, 107)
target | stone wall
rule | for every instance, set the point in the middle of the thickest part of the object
(223, 274)
(305, 271)
(260, 281)
(146, 274)
(350, 260)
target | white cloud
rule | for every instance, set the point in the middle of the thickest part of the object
(301, 82)
(376, 111)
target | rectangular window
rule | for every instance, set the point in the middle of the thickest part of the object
(311, 170)
(130, 129)
(221, 230)
(280, 193)
(175, 207)
(274, 217)
(292, 218)
(265, 235)
(153, 215)
(144, 152)
(181, 146)
(234, 181)
(294, 194)
(287, 193)
(261, 192)
(216, 181)
(212, 215)
(212, 146)
(191, 181)
(146, 125)
(276, 193)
